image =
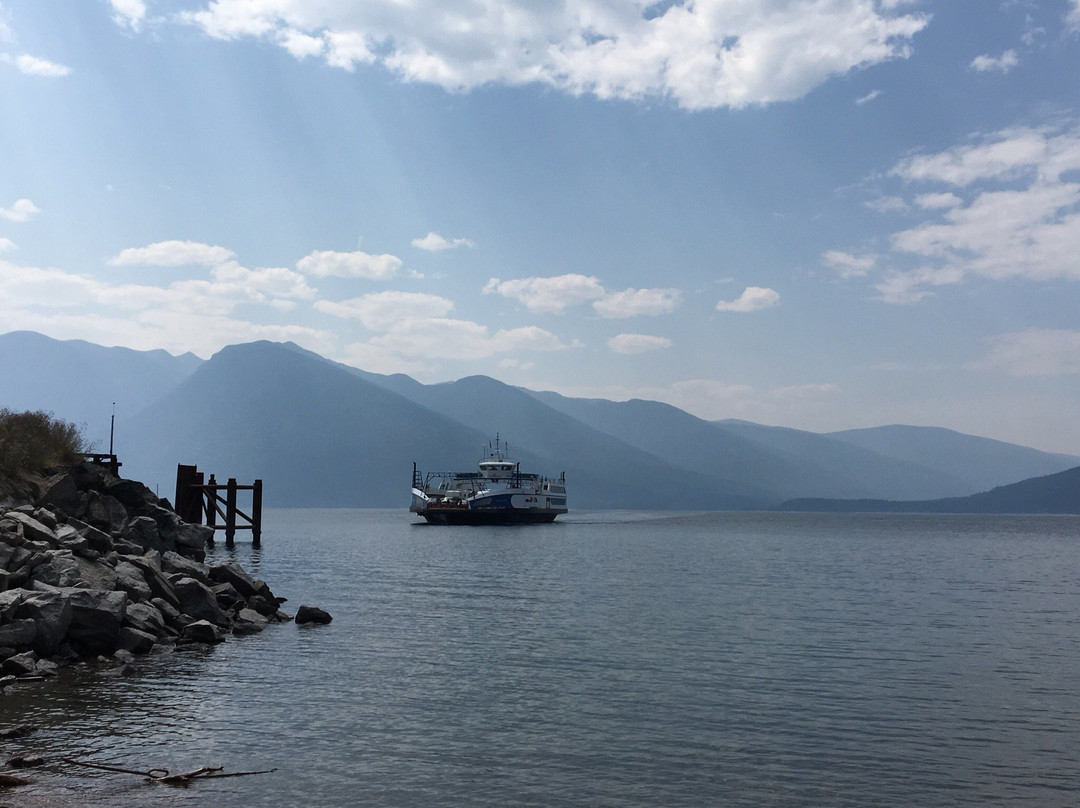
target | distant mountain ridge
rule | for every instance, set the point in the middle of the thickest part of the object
(1052, 494)
(320, 433)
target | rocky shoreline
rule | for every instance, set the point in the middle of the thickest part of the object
(93, 566)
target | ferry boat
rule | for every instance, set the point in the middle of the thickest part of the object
(497, 493)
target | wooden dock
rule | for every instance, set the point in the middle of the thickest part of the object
(197, 498)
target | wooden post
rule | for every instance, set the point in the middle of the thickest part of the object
(230, 512)
(256, 514)
(185, 494)
(211, 503)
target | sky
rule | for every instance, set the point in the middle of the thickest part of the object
(821, 214)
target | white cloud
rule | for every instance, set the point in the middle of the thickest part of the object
(1001, 64)
(1036, 352)
(937, 201)
(888, 204)
(866, 99)
(173, 254)
(22, 211)
(129, 13)
(35, 66)
(327, 263)
(635, 302)
(1072, 18)
(848, 265)
(433, 242)
(441, 338)
(1019, 216)
(6, 245)
(753, 298)
(710, 53)
(637, 343)
(551, 295)
(380, 311)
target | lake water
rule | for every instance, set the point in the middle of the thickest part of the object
(609, 659)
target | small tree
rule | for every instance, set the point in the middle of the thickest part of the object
(30, 441)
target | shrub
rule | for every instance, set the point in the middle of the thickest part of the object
(31, 441)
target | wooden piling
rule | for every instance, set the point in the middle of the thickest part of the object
(195, 498)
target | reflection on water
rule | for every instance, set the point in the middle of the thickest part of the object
(612, 658)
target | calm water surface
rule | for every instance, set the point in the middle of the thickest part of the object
(612, 659)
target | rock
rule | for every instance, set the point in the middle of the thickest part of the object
(168, 611)
(62, 493)
(58, 569)
(135, 641)
(97, 539)
(160, 586)
(95, 574)
(198, 601)
(263, 605)
(46, 667)
(233, 573)
(20, 665)
(52, 613)
(227, 596)
(25, 761)
(143, 532)
(131, 493)
(204, 631)
(312, 614)
(18, 634)
(32, 529)
(106, 513)
(47, 518)
(131, 579)
(176, 564)
(145, 617)
(9, 602)
(96, 620)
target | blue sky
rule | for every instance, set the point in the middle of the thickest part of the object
(822, 214)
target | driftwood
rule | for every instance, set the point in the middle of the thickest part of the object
(164, 776)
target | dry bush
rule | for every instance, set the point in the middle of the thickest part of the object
(31, 441)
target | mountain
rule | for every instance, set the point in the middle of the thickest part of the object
(981, 462)
(1054, 493)
(79, 381)
(603, 469)
(324, 434)
(784, 462)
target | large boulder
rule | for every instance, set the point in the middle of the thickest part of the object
(176, 564)
(18, 634)
(160, 586)
(131, 579)
(203, 631)
(52, 613)
(106, 512)
(312, 614)
(145, 617)
(59, 568)
(198, 601)
(232, 573)
(31, 528)
(96, 620)
(62, 492)
(143, 532)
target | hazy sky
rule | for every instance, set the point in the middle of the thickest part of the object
(813, 213)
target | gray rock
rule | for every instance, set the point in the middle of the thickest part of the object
(204, 631)
(143, 532)
(52, 613)
(136, 641)
(95, 574)
(58, 569)
(32, 529)
(62, 492)
(96, 620)
(20, 665)
(232, 573)
(227, 596)
(160, 586)
(263, 605)
(198, 601)
(131, 579)
(312, 614)
(106, 513)
(174, 563)
(47, 518)
(251, 616)
(18, 634)
(9, 602)
(131, 493)
(97, 539)
(46, 667)
(145, 617)
(168, 611)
